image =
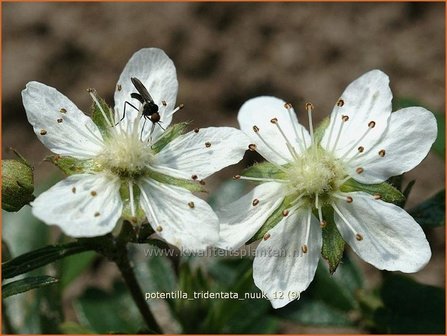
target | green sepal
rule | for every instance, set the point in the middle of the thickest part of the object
(273, 219)
(386, 191)
(140, 216)
(170, 134)
(333, 243)
(17, 186)
(179, 182)
(319, 132)
(70, 165)
(264, 170)
(98, 116)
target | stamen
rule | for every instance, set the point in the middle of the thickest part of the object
(256, 130)
(191, 205)
(337, 210)
(306, 241)
(309, 108)
(178, 108)
(285, 212)
(151, 210)
(207, 144)
(43, 132)
(360, 149)
(92, 93)
(266, 236)
(338, 106)
(344, 119)
(252, 147)
(288, 143)
(300, 141)
(382, 153)
(359, 170)
(93, 193)
(258, 179)
(132, 201)
(255, 202)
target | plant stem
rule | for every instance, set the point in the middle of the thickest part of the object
(135, 290)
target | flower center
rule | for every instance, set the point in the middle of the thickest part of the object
(125, 155)
(315, 172)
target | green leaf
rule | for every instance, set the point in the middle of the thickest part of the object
(274, 219)
(70, 165)
(73, 266)
(410, 307)
(38, 258)
(315, 313)
(98, 116)
(170, 134)
(187, 184)
(26, 284)
(328, 299)
(228, 192)
(71, 327)
(333, 243)
(386, 191)
(108, 312)
(431, 212)
(264, 170)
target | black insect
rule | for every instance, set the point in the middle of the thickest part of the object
(150, 109)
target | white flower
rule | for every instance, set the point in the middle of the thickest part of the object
(126, 165)
(363, 142)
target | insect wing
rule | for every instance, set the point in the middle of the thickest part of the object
(141, 89)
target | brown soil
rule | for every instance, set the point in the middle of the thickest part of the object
(226, 53)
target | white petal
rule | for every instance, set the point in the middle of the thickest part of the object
(202, 153)
(157, 73)
(365, 100)
(240, 220)
(405, 143)
(280, 267)
(185, 220)
(392, 240)
(82, 205)
(59, 124)
(258, 112)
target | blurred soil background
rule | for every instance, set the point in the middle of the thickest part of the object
(226, 53)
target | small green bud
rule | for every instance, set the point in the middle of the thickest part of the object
(18, 186)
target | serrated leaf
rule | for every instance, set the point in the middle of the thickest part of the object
(26, 284)
(431, 212)
(410, 307)
(274, 219)
(386, 191)
(264, 170)
(170, 134)
(333, 243)
(189, 185)
(38, 258)
(98, 117)
(70, 165)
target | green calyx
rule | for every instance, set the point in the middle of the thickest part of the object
(384, 191)
(17, 184)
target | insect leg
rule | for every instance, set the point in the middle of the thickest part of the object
(124, 113)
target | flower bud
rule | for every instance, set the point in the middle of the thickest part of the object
(18, 186)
